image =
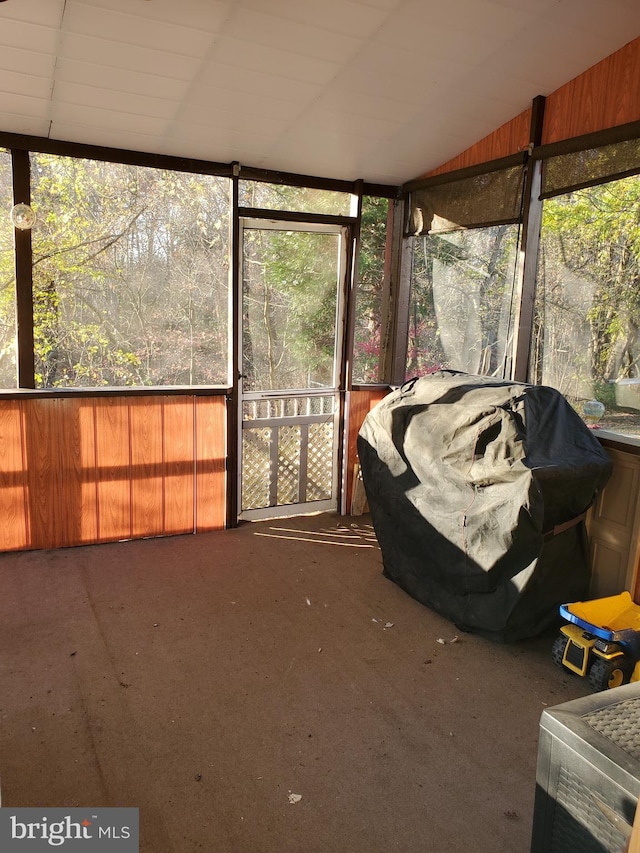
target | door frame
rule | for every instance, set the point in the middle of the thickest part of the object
(305, 223)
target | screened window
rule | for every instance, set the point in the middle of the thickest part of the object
(372, 279)
(587, 314)
(289, 308)
(130, 275)
(8, 375)
(461, 301)
(297, 199)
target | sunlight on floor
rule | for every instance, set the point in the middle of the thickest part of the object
(354, 536)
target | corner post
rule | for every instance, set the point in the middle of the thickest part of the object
(529, 249)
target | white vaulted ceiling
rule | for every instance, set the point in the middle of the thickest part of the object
(376, 89)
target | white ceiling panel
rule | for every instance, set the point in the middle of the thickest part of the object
(502, 88)
(207, 140)
(238, 53)
(44, 13)
(587, 43)
(369, 106)
(127, 57)
(460, 45)
(258, 83)
(269, 127)
(26, 36)
(364, 81)
(27, 62)
(382, 5)
(25, 84)
(94, 135)
(332, 151)
(478, 18)
(107, 99)
(382, 90)
(30, 125)
(416, 69)
(541, 7)
(350, 124)
(119, 80)
(135, 30)
(337, 16)
(612, 25)
(96, 117)
(539, 69)
(214, 100)
(25, 105)
(320, 42)
(206, 15)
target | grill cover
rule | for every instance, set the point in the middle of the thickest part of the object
(477, 489)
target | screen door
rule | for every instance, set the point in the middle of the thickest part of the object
(293, 277)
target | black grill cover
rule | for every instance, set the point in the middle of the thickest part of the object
(477, 488)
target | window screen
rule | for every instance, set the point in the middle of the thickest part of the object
(448, 203)
(576, 170)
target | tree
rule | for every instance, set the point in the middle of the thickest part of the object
(130, 274)
(588, 303)
(370, 290)
(7, 279)
(461, 300)
(289, 308)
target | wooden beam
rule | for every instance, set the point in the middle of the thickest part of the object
(395, 310)
(24, 273)
(529, 247)
(235, 319)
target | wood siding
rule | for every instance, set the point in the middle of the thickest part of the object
(86, 470)
(614, 526)
(360, 404)
(604, 96)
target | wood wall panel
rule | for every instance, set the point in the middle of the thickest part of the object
(614, 527)
(70, 424)
(84, 470)
(14, 529)
(147, 466)
(45, 434)
(88, 530)
(360, 404)
(510, 138)
(179, 449)
(211, 428)
(113, 469)
(606, 95)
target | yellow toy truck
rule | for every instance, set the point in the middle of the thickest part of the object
(601, 641)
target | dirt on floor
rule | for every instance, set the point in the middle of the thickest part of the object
(265, 690)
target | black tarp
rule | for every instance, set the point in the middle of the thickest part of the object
(477, 489)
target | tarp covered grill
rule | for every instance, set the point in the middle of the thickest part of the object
(477, 489)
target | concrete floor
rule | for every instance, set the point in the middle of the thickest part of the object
(204, 679)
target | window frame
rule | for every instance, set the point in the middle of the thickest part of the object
(21, 146)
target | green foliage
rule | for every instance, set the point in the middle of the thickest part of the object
(370, 292)
(290, 290)
(300, 199)
(605, 393)
(588, 306)
(461, 290)
(7, 279)
(130, 275)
